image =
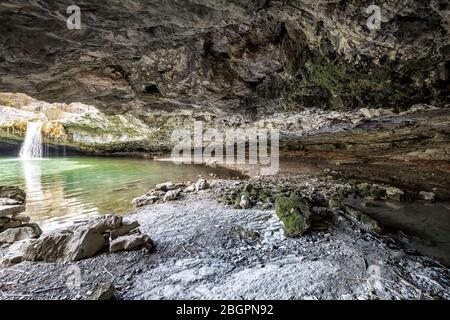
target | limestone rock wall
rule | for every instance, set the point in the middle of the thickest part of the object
(231, 55)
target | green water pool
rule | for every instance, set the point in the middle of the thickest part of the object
(61, 191)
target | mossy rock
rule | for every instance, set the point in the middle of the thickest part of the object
(377, 192)
(369, 222)
(340, 85)
(335, 203)
(295, 214)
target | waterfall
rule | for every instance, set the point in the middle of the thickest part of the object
(32, 146)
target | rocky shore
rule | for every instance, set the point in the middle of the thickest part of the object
(282, 237)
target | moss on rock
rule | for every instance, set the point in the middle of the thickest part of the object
(340, 85)
(295, 214)
(369, 222)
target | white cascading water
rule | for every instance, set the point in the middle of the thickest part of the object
(32, 146)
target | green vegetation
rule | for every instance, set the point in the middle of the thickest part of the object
(340, 85)
(295, 214)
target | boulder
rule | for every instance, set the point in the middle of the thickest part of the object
(367, 221)
(190, 188)
(131, 242)
(10, 224)
(104, 292)
(372, 191)
(28, 231)
(245, 203)
(9, 210)
(21, 217)
(428, 196)
(124, 229)
(295, 213)
(335, 203)
(58, 246)
(165, 186)
(14, 193)
(81, 241)
(144, 201)
(102, 224)
(3, 221)
(201, 184)
(16, 252)
(172, 195)
(394, 193)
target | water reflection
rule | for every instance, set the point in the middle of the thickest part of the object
(48, 201)
(62, 190)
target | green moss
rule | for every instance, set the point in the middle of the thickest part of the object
(294, 213)
(341, 85)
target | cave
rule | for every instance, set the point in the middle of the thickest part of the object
(224, 150)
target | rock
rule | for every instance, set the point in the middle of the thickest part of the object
(8, 202)
(179, 71)
(428, 196)
(165, 186)
(245, 203)
(201, 184)
(21, 218)
(11, 224)
(144, 201)
(131, 242)
(14, 193)
(373, 191)
(12, 235)
(369, 222)
(334, 203)
(190, 188)
(394, 193)
(124, 229)
(372, 113)
(172, 195)
(16, 252)
(104, 292)
(77, 242)
(295, 214)
(65, 245)
(3, 221)
(11, 209)
(102, 224)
